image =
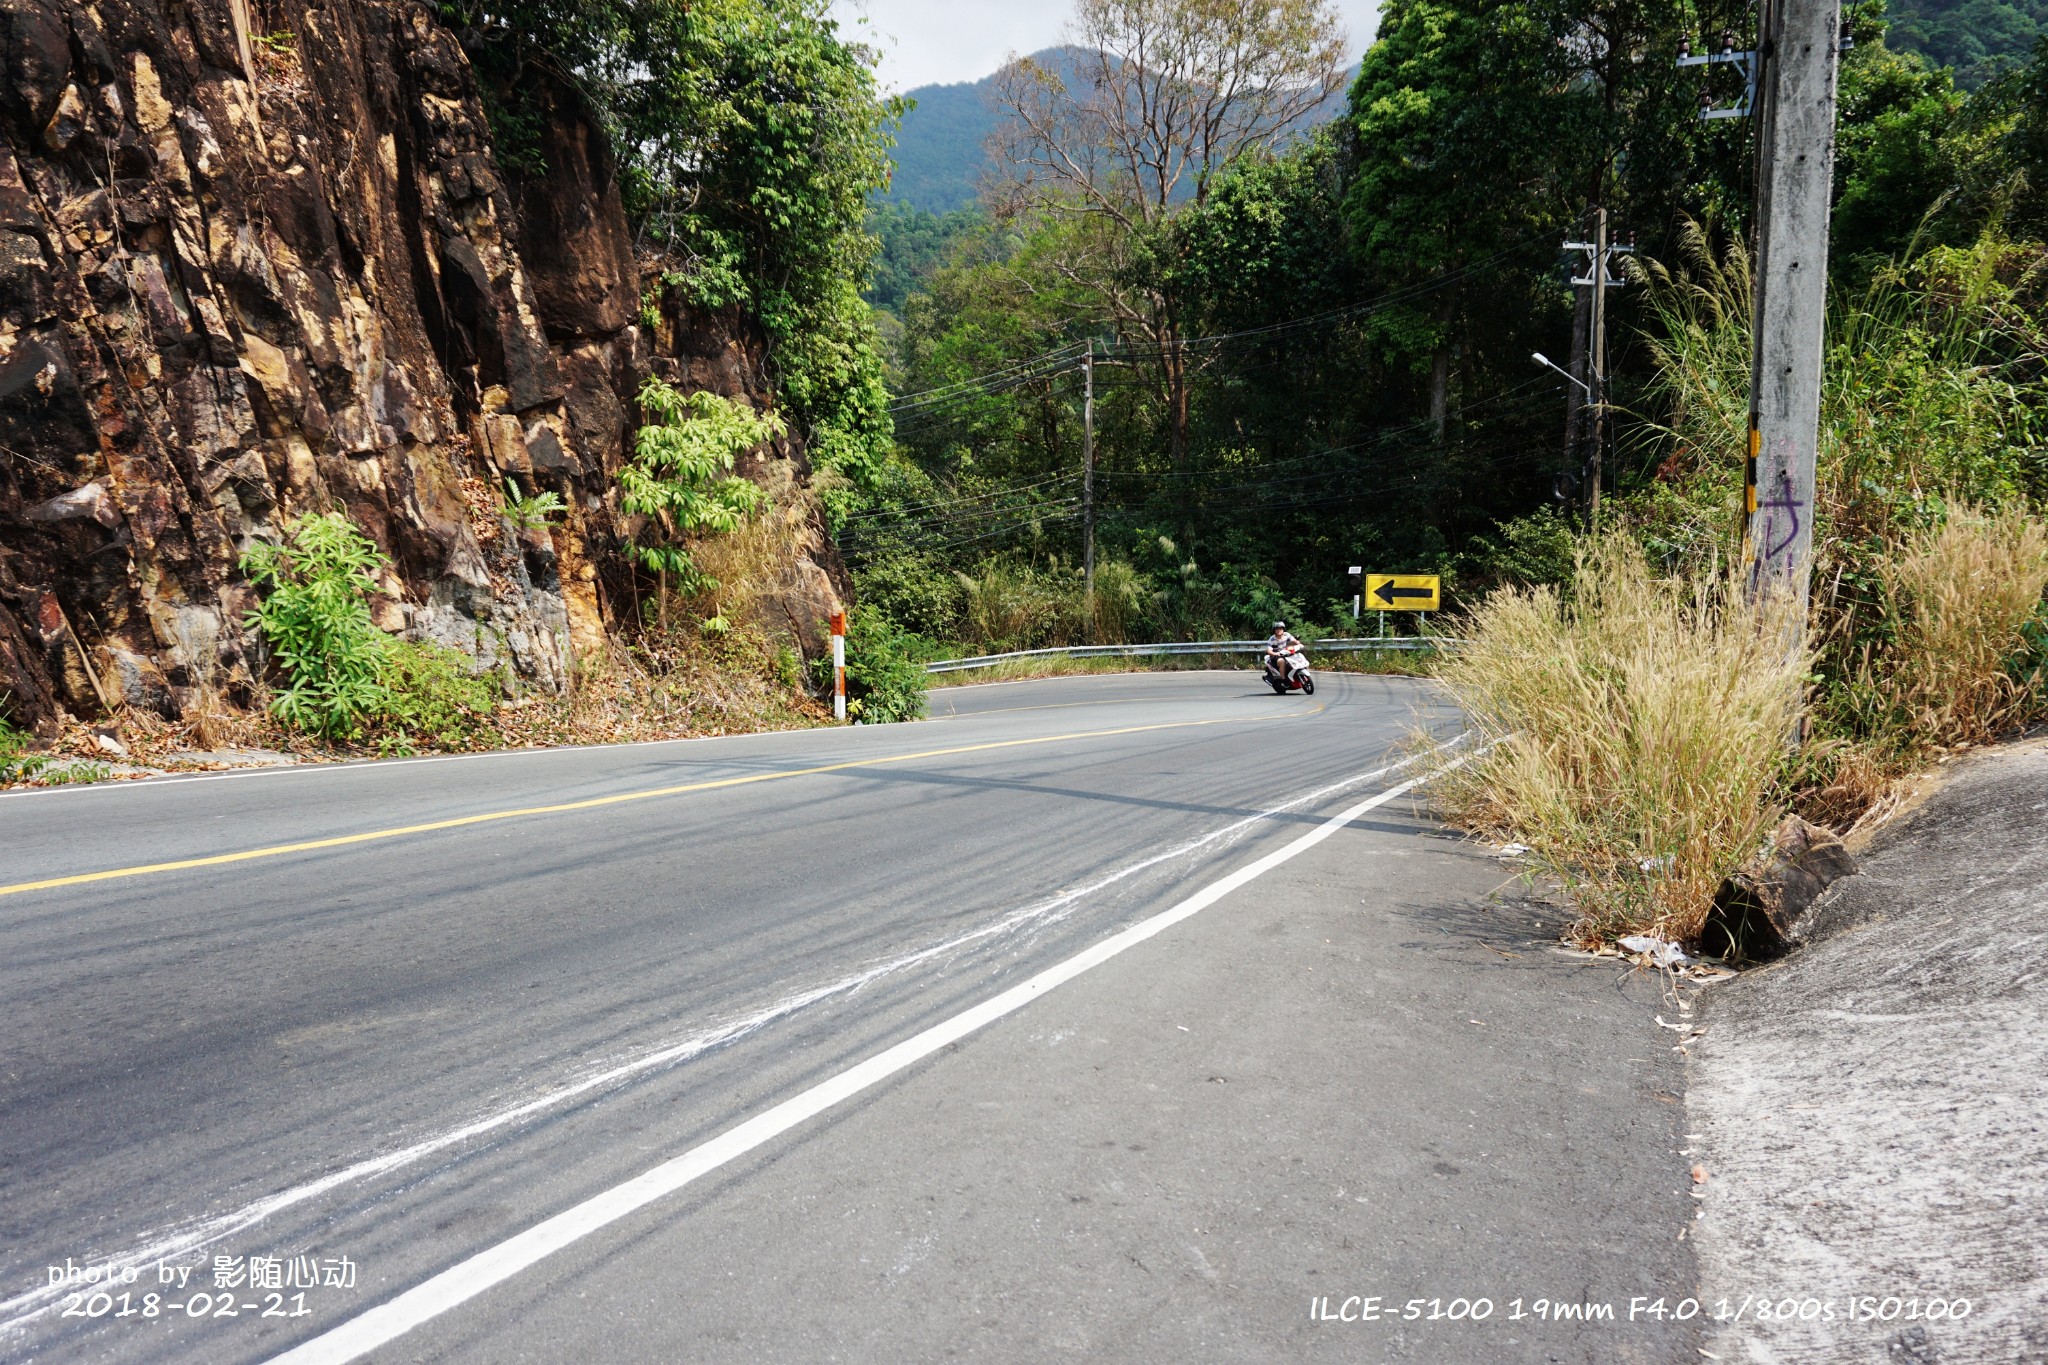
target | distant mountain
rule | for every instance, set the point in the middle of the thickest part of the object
(941, 149)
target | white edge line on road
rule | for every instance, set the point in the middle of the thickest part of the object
(494, 1265)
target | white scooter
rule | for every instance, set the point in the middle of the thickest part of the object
(1287, 671)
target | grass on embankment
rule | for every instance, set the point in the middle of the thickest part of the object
(1641, 726)
(1636, 726)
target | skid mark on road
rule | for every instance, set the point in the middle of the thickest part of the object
(171, 1242)
(494, 1265)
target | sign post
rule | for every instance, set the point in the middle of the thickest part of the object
(839, 665)
(1356, 598)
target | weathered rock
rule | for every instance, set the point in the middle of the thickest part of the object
(242, 281)
(1763, 910)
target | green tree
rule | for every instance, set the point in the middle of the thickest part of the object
(1457, 125)
(680, 479)
(1164, 95)
(750, 136)
(1979, 39)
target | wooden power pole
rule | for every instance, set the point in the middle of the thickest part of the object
(1798, 44)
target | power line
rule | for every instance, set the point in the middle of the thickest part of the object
(1063, 359)
(907, 509)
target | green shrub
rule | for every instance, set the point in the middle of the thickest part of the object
(885, 677)
(316, 618)
(789, 666)
(913, 590)
(434, 698)
(16, 763)
(680, 478)
(346, 678)
(1530, 550)
(531, 511)
(73, 774)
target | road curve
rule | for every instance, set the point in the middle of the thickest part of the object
(395, 1012)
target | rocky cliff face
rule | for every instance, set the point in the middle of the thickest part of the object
(258, 259)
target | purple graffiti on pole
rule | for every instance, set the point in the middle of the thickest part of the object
(1775, 538)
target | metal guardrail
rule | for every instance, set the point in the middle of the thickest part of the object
(1334, 646)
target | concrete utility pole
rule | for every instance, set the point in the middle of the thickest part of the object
(1798, 44)
(1590, 418)
(1595, 459)
(1088, 482)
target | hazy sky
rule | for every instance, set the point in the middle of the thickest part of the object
(934, 42)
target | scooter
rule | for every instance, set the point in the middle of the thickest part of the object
(1288, 672)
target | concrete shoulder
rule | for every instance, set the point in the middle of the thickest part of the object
(1872, 1108)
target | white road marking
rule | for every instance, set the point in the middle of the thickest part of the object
(467, 1279)
(170, 1242)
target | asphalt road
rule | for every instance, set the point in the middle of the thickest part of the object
(367, 1022)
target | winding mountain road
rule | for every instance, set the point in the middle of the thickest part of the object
(511, 1056)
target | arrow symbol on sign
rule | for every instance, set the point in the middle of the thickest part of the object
(1388, 593)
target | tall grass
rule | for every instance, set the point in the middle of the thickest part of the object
(1930, 465)
(1932, 385)
(1638, 725)
(1010, 606)
(1952, 665)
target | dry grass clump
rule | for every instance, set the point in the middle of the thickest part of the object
(754, 572)
(1961, 595)
(665, 688)
(1944, 649)
(1638, 726)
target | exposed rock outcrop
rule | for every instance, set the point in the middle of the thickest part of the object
(1763, 910)
(258, 259)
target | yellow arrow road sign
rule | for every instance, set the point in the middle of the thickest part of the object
(1401, 591)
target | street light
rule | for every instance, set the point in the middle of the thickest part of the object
(1549, 364)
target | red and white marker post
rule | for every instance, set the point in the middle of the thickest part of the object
(839, 665)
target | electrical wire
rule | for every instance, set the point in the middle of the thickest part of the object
(1064, 359)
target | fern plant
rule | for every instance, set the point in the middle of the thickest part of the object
(530, 512)
(680, 478)
(316, 617)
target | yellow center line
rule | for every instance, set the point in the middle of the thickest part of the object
(593, 803)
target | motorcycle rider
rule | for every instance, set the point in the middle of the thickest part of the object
(1278, 644)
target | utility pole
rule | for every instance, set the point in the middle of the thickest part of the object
(1088, 482)
(1576, 368)
(1598, 367)
(1797, 49)
(1591, 420)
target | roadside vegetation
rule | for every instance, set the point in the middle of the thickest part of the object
(1643, 710)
